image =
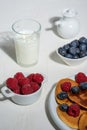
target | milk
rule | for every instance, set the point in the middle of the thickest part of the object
(26, 37)
(27, 48)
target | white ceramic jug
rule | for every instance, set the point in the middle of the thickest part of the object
(68, 25)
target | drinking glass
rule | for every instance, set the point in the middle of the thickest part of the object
(27, 40)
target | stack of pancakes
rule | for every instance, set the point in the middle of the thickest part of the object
(78, 122)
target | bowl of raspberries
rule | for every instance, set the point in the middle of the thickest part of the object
(23, 89)
(75, 52)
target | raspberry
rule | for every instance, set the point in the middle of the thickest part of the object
(23, 81)
(17, 90)
(26, 89)
(20, 84)
(80, 77)
(30, 77)
(12, 83)
(19, 75)
(38, 78)
(35, 86)
(66, 86)
(74, 110)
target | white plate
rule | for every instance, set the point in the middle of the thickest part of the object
(52, 110)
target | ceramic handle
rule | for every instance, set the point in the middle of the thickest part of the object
(7, 92)
(58, 23)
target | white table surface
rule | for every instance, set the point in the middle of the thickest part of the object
(36, 116)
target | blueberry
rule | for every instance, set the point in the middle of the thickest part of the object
(83, 85)
(66, 47)
(63, 107)
(72, 50)
(69, 55)
(83, 40)
(75, 90)
(62, 51)
(77, 50)
(62, 95)
(74, 43)
(82, 54)
(75, 56)
(82, 47)
(85, 53)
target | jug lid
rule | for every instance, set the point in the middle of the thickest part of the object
(69, 13)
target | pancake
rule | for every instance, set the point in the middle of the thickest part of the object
(58, 90)
(83, 122)
(69, 120)
(80, 98)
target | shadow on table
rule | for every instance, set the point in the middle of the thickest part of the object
(7, 44)
(53, 56)
(53, 27)
(47, 110)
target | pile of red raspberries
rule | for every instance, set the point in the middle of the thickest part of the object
(21, 84)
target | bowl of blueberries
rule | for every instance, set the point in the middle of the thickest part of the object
(75, 52)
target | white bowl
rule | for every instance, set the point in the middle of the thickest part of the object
(72, 62)
(22, 99)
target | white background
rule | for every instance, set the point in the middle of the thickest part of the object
(36, 117)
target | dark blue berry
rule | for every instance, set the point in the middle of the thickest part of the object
(82, 47)
(62, 51)
(83, 40)
(63, 107)
(82, 54)
(62, 95)
(75, 56)
(69, 55)
(85, 53)
(77, 50)
(83, 85)
(74, 43)
(72, 50)
(66, 47)
(75, 90)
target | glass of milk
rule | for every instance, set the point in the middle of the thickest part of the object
(26, 38)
